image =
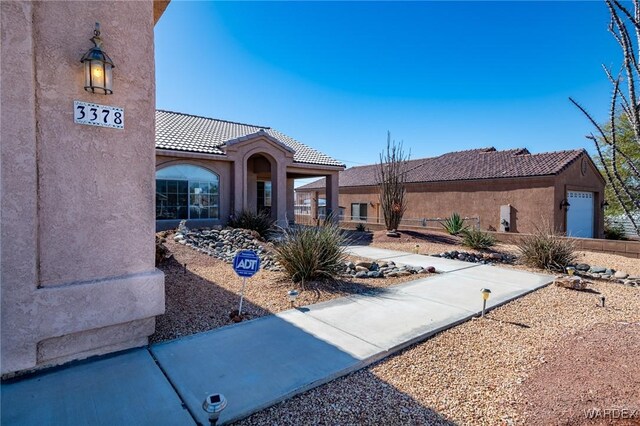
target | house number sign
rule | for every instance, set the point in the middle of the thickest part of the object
(98, 115)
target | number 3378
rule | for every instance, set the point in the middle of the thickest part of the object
(97, 115)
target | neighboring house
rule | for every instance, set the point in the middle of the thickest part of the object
(510, 190)
(207, 169)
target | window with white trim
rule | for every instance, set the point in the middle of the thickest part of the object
(359, 211)
(185, 191)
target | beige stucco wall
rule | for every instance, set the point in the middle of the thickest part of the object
(531, 199)
(78, 275)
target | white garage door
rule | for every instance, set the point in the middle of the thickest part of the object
(580, 214)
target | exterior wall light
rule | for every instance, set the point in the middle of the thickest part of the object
(485, 296)
(604, 204)
(564, 204)
(97, 67)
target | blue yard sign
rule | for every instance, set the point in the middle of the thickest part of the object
(246, 263)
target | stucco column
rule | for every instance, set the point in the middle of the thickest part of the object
(77, 267)
(314, 204)
(279, 185)
(331, 191)
(290, 199)
(239, 186)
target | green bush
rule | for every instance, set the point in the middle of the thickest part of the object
(261, 222)
(546, 249)
(454, 224)
(614, 231)
(307, 253)
(477, 239)
(360, 227)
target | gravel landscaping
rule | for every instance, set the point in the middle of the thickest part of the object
(200, 296)
(433, 242)
(483, 372)
(488, 371)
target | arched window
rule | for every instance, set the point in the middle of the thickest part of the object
(187, 192)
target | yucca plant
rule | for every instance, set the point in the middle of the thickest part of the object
(477, 239)
(261, 222)
(454, 224)
(308, 253)
(546, 249)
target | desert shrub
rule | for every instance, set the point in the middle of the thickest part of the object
(261, 222)
(454, 224)
(360, 227)
(614, 231)
(307, 253)
(546, 249)
(477, 239)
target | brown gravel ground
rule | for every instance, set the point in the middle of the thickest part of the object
(477, 372)
(484, 372)
(432, 242)
(582, 373)
(201, 296)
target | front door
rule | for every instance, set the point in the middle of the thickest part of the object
(264, 197)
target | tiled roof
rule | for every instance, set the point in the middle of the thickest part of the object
(184, 132)
(484, 163)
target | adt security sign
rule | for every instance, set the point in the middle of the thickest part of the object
(246, 263)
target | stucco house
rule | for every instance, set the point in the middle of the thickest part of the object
(511, 190)
(208, 169)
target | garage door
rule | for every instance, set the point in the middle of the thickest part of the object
(580, 214)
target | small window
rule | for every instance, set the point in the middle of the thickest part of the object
(359, 211)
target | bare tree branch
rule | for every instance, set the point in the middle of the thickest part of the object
(391, 175)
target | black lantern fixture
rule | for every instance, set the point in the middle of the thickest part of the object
(564, 204)
(97, 67)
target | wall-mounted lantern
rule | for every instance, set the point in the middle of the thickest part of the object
(97, 67)
(564, 204)
(604, 204)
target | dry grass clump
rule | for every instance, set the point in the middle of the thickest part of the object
(546, 249)
(309, 253)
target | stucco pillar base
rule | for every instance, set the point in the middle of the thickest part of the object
(84, 344)
(101, 316)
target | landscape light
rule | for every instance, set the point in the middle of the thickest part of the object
(97, 67)
(292, 295)
(485, 296)
(213, 405)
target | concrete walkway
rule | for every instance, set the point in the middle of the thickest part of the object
(261, 362)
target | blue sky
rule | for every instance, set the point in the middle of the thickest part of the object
(440, 76)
